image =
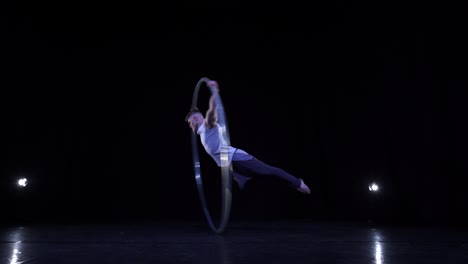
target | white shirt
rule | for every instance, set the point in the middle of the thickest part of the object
(213, 140)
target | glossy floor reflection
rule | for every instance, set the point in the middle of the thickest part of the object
(243, 242)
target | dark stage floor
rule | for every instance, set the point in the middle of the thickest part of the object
(243, 242)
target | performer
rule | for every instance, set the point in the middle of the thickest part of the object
(245, 166)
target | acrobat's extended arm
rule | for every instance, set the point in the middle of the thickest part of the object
(212, 113)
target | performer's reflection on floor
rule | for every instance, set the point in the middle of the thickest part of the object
(222, 250)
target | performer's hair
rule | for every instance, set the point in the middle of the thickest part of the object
(192, 111)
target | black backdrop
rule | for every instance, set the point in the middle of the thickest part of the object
(94, 98)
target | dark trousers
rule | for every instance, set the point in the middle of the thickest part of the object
(246, 169)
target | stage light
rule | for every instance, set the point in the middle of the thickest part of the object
(23, 182)
(373, 187)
